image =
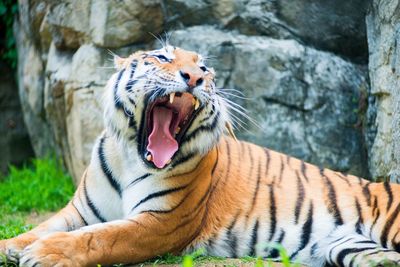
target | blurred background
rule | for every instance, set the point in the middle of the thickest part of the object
(322, 76)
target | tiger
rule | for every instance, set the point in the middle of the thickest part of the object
(167, 175)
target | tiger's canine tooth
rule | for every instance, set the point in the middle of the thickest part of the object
(193, 101)
(178, 129)
(171, 97)
(149, 157)
(197, 105)
(169, 161)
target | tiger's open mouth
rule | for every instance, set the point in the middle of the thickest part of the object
(166, 122)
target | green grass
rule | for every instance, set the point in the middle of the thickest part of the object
(198, 257)
(40, 187)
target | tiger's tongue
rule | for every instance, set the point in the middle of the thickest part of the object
(161, 144)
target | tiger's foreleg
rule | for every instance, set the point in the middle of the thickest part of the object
(121, 241)
(66, 220)
(347, 248)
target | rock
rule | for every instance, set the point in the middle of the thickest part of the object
(68, 22)
(119, 23)
(305, 101)
(14, 142)
(383, 25)
(31, 90)
(337, 26)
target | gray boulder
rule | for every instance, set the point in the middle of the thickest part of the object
(336, 26)
(383, 24)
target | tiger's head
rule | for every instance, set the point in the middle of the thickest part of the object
(165, 104)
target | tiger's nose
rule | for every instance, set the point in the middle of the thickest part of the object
(192, 79)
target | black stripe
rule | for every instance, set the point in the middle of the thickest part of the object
(303, 170)
(138, 179)
(199, 204)
(389, 192)
(374, 205)
(173, 208)
(254, 238)
(314, 248)
(215, 164)
(388, 226)
(360, 220)
(92, 207)
(340, 243)
(300, 198)
(367, 193)
(106, 170)
(366, 242)
(281, 169)
(158, 194)
(306, 232)
(378, 250)
(274, 253)
(375, 221)
(202, 128)
(272, 213)
(249, 150)
(183, 223)
(80, 214)
(332, 205)
(343, 178)
(232, 239)
(268, 161)
(211, 243)
(253, 202)
(117, 102)
(131, 82)
(345, 252)
(396, 245)
(69, 226)
(182, 159)
(132, 123)
(228, 153)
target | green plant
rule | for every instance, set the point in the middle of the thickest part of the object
(8, 51)
(42, 186)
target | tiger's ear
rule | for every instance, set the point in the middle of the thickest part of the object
(119, 62)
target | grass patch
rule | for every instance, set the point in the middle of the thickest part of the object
(198, 258)
(41, 186)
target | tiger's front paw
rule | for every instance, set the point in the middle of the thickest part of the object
(58, 249)
(11, 249)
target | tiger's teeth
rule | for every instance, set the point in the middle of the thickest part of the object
(178, 129)
(193, 101)
(171, 98)
(149, 157)
(197, 105)
(169, 161)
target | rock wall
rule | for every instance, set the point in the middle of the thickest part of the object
(383, 24)
(303, 66)
(14, 142)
